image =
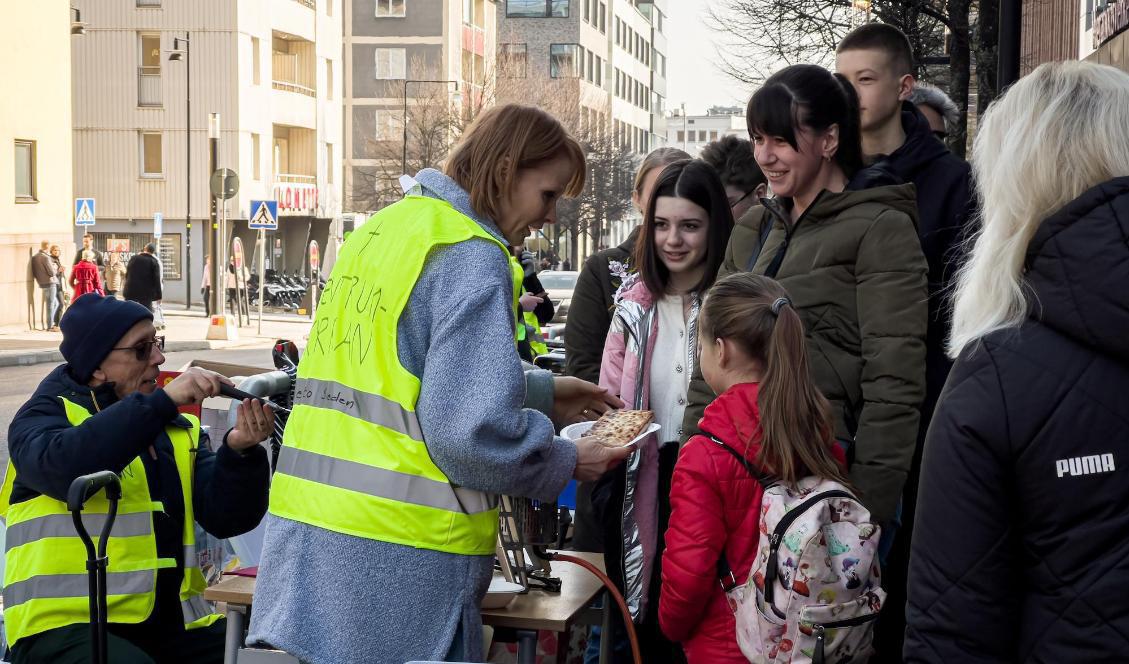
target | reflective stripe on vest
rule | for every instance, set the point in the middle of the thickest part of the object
(354, 459)
(45, 581)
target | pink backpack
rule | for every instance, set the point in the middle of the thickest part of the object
(813, 594)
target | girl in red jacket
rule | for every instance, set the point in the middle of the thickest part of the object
(769, 411)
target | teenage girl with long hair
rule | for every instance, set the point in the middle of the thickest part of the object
(770, 411)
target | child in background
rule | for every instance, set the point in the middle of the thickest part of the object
(770, 412)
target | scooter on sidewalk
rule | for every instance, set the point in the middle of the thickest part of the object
(81, 490)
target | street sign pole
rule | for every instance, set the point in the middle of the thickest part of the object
(262, 273)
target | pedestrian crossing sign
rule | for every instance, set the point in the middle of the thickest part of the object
(264, 215)
(84, 212)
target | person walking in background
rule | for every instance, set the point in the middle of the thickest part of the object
(143, 278)
(88, 245)
(60, 285)
(84, 276)
(649, 355)
(1019, 550)
(206, 286)
(43, 271)
(535, 307)
(115, 273)
(771, 414)
(878, 60)
(853, 266)
(745, 184)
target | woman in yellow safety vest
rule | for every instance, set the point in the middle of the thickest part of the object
(413, 412)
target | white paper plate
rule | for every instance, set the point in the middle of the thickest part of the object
(574, 431)
(500, 593)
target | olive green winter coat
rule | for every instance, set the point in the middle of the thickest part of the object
(853, 266)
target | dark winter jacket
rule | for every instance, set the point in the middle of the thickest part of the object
(43, 270)
(143, 278)
(853, 267)
(590, 314)
(229, 489)
(945, 204)
(1020, 551)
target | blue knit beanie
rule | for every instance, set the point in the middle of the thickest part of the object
(92, 326)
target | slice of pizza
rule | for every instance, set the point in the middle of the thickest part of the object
(620, 427)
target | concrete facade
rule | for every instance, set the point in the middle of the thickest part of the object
(271, 69)
(418, 53)
(692, 132)
(35, 171)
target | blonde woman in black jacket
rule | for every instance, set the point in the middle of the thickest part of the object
(1020, 550)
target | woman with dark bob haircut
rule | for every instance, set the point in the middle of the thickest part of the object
(852, 263)
(649, 356)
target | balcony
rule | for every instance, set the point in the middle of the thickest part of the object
(290, 75)
(149, 86)
(148, 3)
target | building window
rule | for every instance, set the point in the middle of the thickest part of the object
(587, 11)
(151, 155)
(599, 71)
(390, 8)
(149, 3)
(513, 60)
(681, 136)
(603, 13)
(701, 135)
(591, 74)
(564, 60)
(25, 172)
(329, 79)
(329, 7)
(537, 8)
(618, 29)
(658, 19)
(387, 125)
(329, 163)
(149, 73)
(256, 66)
(256, 158)
(390, 63)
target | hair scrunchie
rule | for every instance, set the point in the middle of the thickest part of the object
(780, 303)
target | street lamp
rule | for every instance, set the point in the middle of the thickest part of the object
(77, 26)
(404, 155)
(212, 238)
(182, 55)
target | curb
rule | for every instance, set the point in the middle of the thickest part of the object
(20, 358)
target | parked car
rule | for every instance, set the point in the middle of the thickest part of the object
(559, 285)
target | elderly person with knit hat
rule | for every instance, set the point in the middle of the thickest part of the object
(103, 410)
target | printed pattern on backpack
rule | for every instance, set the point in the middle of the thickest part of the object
(813, 593)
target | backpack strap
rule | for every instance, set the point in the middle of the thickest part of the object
(725, 575)
(762, 236)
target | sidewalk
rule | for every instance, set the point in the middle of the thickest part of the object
(184, 330)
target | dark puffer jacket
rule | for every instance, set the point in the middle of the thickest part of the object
(854, 269)
(1020, 551)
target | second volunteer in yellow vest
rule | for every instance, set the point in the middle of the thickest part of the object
(102, 410)
(413, 412)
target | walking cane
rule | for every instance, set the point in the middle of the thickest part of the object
(81, 490)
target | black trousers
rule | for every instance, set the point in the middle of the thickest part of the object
(127, 644)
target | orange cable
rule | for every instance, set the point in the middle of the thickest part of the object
(614, 593)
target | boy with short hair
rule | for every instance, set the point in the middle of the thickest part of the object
(878, 61)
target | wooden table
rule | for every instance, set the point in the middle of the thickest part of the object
(536, 610)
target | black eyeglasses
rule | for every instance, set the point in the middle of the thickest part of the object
(733, 204)
(144, 348)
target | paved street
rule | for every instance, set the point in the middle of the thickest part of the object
(17, 383)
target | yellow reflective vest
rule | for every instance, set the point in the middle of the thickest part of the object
(354, 459)
(45, 577)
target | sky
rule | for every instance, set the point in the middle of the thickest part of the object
(693, 77)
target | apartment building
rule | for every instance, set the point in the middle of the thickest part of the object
(693, 132)
(272, 71)
(603, 63)
(35, 171)
(414, 69)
